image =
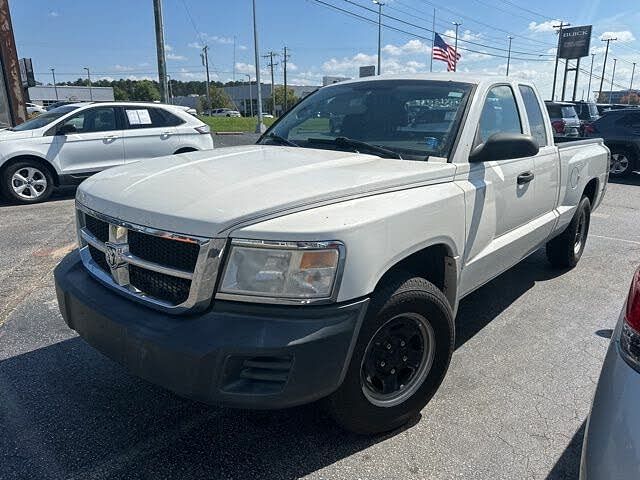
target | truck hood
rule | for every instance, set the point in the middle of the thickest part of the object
(210, 193)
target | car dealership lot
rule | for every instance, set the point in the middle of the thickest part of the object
(513, 405)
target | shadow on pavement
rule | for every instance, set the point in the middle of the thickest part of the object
(568, 465)
(633, 179)
(66, 411)
(66, 193)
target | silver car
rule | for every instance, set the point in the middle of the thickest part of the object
(611, 447)
(564, 119)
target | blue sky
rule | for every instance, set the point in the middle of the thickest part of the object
(116, 38)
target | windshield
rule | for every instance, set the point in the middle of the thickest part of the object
(416, 119)
(569, 112)
(43, 119)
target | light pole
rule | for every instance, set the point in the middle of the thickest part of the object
(260, 128)
(612, 77)
(455, 48)
(593, 56)
(55, 87)
(508, 54)
(89, 78)
(633, 71)
(250, 95)
(380, 5)
(169, 89)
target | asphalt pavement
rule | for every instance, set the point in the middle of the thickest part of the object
(513, 405)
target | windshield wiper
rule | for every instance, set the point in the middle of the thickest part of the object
(358, 145)
(281, 140)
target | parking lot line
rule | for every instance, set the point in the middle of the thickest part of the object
(616, 239)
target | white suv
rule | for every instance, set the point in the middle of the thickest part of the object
(224, 112)
(67, 144)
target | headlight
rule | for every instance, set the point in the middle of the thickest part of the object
(299, 272)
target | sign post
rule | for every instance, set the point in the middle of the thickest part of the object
(573, 44)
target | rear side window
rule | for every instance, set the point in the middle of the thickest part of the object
(534, 114)
(569, 112)
(499, 114)
(554, 110)
(150, 117)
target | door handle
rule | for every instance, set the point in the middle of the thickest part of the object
(110, 137)
(166, 134)
(525, 177)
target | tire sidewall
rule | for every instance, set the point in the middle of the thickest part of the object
(632, 162)
(584, 205)
(372, 418)
(7, 189)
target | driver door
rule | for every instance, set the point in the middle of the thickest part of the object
(95, 142)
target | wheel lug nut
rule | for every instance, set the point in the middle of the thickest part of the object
(382, 364)
(404, 359)
(388, 346)
(402, 344)
(393, 371)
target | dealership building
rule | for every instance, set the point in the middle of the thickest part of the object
(47, 94)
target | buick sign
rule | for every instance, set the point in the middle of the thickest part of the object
(574, 42)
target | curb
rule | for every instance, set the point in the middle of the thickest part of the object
(228, 133)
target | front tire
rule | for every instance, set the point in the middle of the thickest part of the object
(401, 356)
(27, 182)
(566, 249)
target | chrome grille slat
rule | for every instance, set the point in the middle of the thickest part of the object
(195, 294)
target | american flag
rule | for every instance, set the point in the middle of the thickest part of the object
(446, 53)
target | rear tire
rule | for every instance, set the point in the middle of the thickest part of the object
(622, 163)
(565, 250)
(400, 358)
(27, 181)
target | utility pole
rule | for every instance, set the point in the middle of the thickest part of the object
(593, 56)
(162, 62)
(260, 128)
(15, 113)
(604, 66)
(455, 48)
(270, 56)
(433, 38)
(55, 87)
(380, 5)
(285, 57)
(509, 54)
(633, 71)
(205, 64)
(612, 77)
(250, 95)
(90, 87)
(234, 58)
(169, 89)
(555, 70)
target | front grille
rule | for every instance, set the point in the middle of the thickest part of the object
(172, 253)
(99, 258)
(169, 271)
(165, 287)
(98, 228)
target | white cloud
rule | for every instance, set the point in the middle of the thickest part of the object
(168, 47)
(123, 68)
(412, 47)
(467, 35)
(173, 56)
(53, 13)
(543, 26)
(335, 66)
(243, 47)
(197, 45)
(292, 66)
(624, 36)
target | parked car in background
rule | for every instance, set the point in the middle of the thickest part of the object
(189, 110)
(587, 113)
(611, 446)
(328, 261)
(32, 108)
(564, 119)
(607, 107)
(67, 144)
(266, 115)
(224, 112)
(61, 103)
(620, 130)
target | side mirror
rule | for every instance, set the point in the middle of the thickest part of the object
(66, 129)
(503, 146)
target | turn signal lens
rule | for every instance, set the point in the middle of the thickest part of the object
(320, 259)
(632, 314)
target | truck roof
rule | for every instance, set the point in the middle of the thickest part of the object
(471, 78)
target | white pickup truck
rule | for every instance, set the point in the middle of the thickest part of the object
(327, 261)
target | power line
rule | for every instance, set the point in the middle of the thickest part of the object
(515, 5)
(422, 37)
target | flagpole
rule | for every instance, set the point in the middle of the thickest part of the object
(433, 39)
(455, 49)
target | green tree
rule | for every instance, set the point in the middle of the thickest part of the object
(219, 98)
(145, 90)
(278, 92)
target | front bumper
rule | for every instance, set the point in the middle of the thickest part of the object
(611, 447)
(240, 355)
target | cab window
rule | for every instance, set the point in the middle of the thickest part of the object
(499, 113)
(534, 115)
(99, 119)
